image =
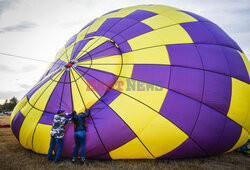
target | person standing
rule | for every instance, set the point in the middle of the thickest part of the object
(80, 134)
(57, 134)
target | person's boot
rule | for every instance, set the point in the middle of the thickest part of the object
(73, 160)
(83, 160)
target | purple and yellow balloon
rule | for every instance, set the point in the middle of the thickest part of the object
(160, 83)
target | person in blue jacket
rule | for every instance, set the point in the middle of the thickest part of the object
(80, 134)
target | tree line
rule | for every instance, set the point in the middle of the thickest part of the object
(8, 105)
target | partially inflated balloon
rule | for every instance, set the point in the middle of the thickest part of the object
(160, 83)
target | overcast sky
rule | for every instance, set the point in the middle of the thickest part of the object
(39, 28)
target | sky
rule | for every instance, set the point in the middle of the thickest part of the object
(39, 28)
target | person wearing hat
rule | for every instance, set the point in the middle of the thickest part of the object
(57, 134)
(80, 134)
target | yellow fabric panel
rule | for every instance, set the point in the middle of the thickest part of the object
(115, 59)
(154, 55)
(82, 91)
(140, 91)
(137, 115)
(119, 14)
(167, 19)
(97, 41)
(40, 98)
(114, 69)
(62, 55)
(239, 106)
(26, 109)
(169, 35)
(154, 8)
(178, 16)
(28, 127)
(158, 21)
(161, 136)
(247, 63)
(41, 139)
(82, 34)
(85, 63)
(247, 121)
(242, 140)
(18, 107)
(127, 70)
(131, 150)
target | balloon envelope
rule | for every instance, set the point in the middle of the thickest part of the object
(160, 83)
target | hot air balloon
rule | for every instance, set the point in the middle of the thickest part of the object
(160, 83)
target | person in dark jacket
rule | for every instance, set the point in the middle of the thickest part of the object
(80, 134)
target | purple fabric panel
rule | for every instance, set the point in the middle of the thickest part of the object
(109, 52)
(110, 96)
(63, 78)
(213, 58)
(154, 74)
(82, 70)
(67, 79)
(59, 63)
(125, 47)
(78, 47)
(17, 123)
(98, 87)
(70, 41)
(103, 47)
(47, 118)
(180, 110)
(230, 136)
(106, 49)
(110, 22)
(199, 33)
(236, 64)
(124, 24)
(217, 91)
(221, 37)
(93, 143)
(105, 77)
(84, 57)
(209, 128)
(186, 149)
(199, 18)
(113, 131)
(135, 30)
(54, 101)
(184, 55)
(68, 141)
(103, 156)
(36, 87)
(187, 81)
(140, 15)
(67, 102)
(90, 34)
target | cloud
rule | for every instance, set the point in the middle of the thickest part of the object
(5, 68)
(9, 94)
(25, 86)
(6, 4)
(23, 26)
(28, 68)
(24, 69)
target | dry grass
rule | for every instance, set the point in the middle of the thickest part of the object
(13, 156)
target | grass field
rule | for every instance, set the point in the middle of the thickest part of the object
(13, 156)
